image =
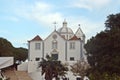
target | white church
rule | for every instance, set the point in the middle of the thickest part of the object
(62, 44)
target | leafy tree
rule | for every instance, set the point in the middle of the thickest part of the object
(113, 22)
(103, 50)
(80, 68)
(7, 49)
(20, 54)
(52, 68)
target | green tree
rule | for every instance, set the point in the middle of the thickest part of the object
(6, 48)
(103, 50)
(20, 54)
(52, 68)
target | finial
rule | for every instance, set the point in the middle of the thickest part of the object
(55, 25)
(79, 25)
(64, 23)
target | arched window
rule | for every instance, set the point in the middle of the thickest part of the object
(54, 44)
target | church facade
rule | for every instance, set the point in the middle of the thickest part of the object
(62, 44)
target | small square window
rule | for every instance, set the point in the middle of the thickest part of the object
(71, 58)
(37, 59)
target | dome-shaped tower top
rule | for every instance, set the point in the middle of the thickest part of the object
(65, 31)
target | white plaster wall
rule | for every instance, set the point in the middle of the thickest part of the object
(73, 52)
(23, 67)
(32, 66)
(35, 53)
(60, 48)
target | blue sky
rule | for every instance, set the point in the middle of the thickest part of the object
(21, 20)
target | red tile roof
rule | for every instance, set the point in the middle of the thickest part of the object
(37, 38)
(74, 38)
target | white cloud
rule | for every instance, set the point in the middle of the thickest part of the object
(90, 4)
(40, 12)
(47, 19)
(40, 6)
(82, 6)
(101, 3)
(43, 14)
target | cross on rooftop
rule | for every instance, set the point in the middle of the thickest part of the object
(55, 24)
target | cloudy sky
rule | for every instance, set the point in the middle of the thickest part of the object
(21, 20)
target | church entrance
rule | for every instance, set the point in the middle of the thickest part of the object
(54, 54)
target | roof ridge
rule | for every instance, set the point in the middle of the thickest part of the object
(74, 38)
(36, 38)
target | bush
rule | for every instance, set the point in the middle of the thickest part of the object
(104, 76)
